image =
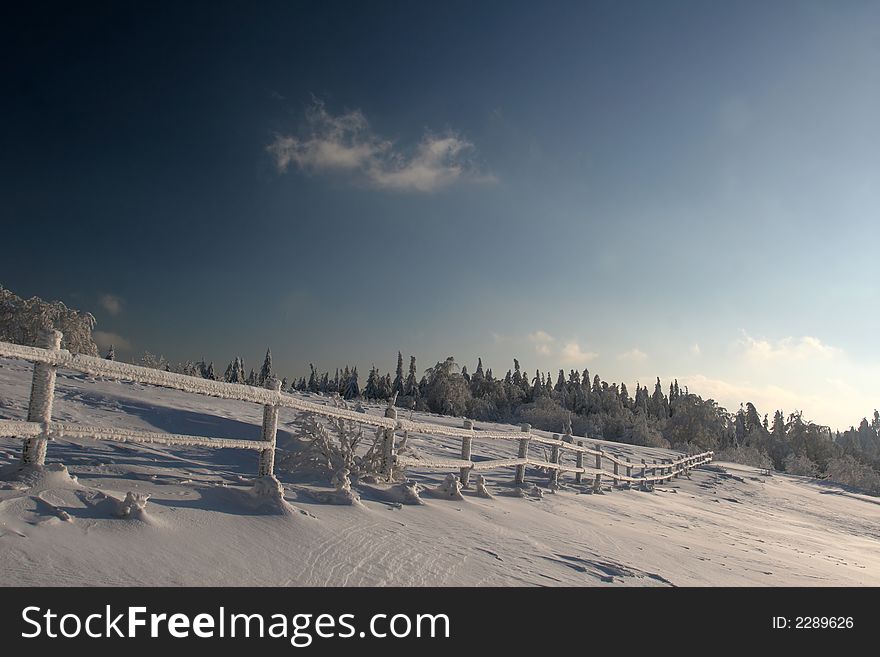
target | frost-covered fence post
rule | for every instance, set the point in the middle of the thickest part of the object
(388, 445)
(465, 473)
(554, 458)
(520, 476)
(654, 469)
(615, 481)
(629, 472)
(42, 396)
(580, 463)
(597, 480)
(270, 431)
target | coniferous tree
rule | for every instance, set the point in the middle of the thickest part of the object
(411, 387)
(266, 370)
(398, 385)
(209, 372)
(352, 389)
(371, 389)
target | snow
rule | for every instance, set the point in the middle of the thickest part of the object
(199, 516)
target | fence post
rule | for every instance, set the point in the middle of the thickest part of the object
(654, 469)
(388, 445)
(465, 473)
(554, 458)
(580, 463)
(616, 481)
(629, 472)
(597, 480)
(520, 476)
(270, 432)
(42, 395)
(644, 474)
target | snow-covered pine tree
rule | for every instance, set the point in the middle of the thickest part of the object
(352, 389)
(111, 353)
(252, 378)
(385, 386)
(371, 390)
(537, 385)
(266, 370)
(397, 386)
(411, 387)
(210, 374)
(517, 375)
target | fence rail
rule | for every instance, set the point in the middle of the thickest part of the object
(40, 428)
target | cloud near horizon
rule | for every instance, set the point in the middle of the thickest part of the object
(346, 143)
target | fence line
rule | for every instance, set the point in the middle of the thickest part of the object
(39, 428)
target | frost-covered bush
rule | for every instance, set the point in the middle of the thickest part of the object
(22, 320)
(330, 446)
(797, 464)
(851, 472)
(744, 454)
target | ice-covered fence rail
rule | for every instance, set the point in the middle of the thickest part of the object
(55, 430)
(116, 370)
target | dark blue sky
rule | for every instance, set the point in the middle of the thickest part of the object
(677, 188)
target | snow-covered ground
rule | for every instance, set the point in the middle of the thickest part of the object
(725, 525)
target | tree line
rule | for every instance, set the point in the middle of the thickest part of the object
(664, 416)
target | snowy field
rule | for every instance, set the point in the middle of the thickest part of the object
(726, 525)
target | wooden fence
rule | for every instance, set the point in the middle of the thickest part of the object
(39, 428)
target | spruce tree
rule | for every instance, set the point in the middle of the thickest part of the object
(266, 370)
(398, 385)
(352, 389)
(371, 390)
(411, 387)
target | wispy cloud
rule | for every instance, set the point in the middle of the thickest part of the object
(345, 143)
(111, 303)
(540, 337)
(634, 355)
(542, 341)
(695, 349)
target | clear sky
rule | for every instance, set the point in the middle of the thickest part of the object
(682, 189)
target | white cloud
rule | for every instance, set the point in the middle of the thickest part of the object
(573, 354)
(787, 349)
(104, 339)
(793, 373)
(111, 303)
(634, 355)
(346, 143)
(695, 349)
